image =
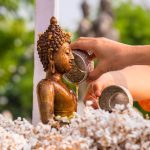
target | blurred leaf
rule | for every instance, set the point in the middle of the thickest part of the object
(9, 4)
(133, 23)
(16, 54)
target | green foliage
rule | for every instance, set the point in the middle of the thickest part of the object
(133, 23)
(9, 4)
(16, 55)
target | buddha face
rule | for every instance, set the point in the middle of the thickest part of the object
(63, 58)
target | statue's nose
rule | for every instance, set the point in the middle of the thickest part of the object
(71, 56)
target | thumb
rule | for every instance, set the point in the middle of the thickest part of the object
(97, 72)
(97, 90)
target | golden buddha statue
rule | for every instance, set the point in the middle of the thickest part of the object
(54, 97)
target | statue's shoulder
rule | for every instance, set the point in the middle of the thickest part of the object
(44, 83)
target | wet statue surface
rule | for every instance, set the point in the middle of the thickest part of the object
(54, 97)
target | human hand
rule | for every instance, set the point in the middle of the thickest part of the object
(96, 87)
(112, 55)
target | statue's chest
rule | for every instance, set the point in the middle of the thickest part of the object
(63, 97)
(64, 101)
(62, 91)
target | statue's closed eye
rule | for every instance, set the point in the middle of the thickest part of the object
(67, 51)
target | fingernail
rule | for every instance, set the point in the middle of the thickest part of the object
(97, 93)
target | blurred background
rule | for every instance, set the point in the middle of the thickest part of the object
(127, 21)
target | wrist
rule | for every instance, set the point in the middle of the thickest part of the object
(128, 55)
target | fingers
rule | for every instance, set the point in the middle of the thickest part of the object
(97, 90)
(90, 96)
(95, 104)
(90, 93)
(83, 43)
(94, 91)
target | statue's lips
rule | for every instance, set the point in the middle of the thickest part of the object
(71, 61)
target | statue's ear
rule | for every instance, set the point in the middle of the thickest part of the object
(52, 67)
(51, 64)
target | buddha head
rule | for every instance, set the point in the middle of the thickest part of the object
(54, 49)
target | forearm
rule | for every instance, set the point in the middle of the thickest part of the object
(136, 79)
(137, 55)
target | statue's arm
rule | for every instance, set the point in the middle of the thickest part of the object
(45, 92)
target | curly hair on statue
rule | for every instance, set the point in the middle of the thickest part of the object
(50, 41)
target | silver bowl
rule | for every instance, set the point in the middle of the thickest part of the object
(113, 95)
(82, 66)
